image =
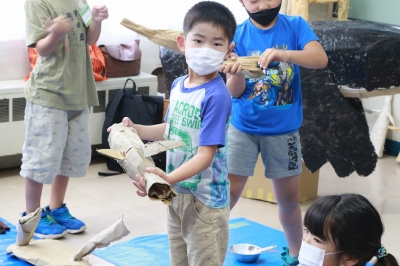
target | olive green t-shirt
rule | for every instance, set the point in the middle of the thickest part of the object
(64, 79)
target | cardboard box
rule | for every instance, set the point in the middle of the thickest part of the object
(260, 187)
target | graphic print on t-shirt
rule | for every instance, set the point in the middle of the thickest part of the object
(187, 152)
(183, 118)
(218, 192)
(275, 88)
(77, 33)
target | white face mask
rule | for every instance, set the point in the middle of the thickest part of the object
(204, 61)
(312, 256)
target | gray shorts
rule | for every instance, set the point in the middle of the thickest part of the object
(281, 154)
(57, 142)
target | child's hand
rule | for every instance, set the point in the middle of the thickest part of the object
(159, 172)
(141, 185)
(231, 69)
(126, 121)
(99, 13)
(59, 26)
(272, 55)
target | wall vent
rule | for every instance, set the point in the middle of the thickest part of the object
(18, 109)
(144, 90)
(102, 102)
(4, 110)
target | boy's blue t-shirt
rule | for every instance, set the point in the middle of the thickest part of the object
(199, 117)
(272, 104)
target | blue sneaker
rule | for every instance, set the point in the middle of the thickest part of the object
(63, 217)
(48, 228)
(287, 259)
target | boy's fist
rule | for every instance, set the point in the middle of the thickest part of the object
(231, 68)
(99, 13)
(126, 121)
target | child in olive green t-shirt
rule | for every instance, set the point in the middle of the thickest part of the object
(59, 92)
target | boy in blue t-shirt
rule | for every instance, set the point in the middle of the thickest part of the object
(198, 114)
(267, 111)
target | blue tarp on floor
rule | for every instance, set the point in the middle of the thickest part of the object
(154, 250)
(7, 239)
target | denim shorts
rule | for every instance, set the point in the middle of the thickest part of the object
(57, 142)
(281, 154)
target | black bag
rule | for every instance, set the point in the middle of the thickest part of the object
(141, 109)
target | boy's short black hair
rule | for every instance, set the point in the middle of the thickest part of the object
(210, 12)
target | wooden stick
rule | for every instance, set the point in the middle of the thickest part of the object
(299, 8)
(394, 128)
(343, 10)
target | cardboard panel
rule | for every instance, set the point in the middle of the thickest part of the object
(259, 187)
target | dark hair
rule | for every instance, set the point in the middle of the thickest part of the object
(210, 12)
(351, 224)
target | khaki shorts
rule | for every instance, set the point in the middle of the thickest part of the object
(198, 235)
(57, 142)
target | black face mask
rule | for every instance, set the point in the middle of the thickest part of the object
(266, 16)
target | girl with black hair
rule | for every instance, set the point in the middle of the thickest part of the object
(343, 230)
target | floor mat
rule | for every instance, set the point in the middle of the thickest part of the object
(7, 239)
(154, 249)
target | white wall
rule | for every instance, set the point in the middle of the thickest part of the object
(376, 103)
(386, 11)
(14, 62)
(156, 14)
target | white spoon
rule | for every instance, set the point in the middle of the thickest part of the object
(253, 250)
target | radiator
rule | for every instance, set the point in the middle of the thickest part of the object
(12, 108)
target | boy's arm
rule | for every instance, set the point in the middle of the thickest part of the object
(198, 163)
(151, 133)
(235, 81)
(235, 84)
(99, 13)
(312, 56)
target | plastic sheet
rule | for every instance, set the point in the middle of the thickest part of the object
(361, 54)
(174, 66)
(334, 128)
(154, 250)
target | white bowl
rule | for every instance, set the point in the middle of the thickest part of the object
(241, 252)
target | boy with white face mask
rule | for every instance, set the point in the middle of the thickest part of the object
(198, 114)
